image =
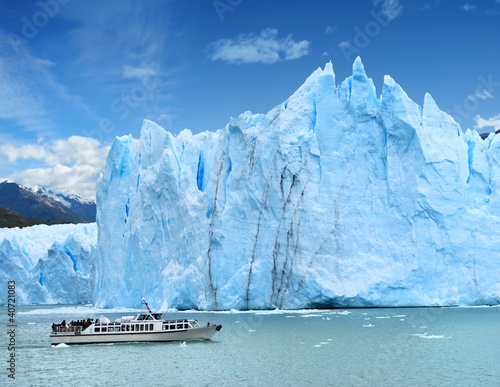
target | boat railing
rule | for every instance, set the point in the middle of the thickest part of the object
(77, 329)
(110, 324)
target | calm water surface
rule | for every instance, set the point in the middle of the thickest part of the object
(356, 347)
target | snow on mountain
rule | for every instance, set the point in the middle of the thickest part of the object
(336, 197)
(50, 264)
(61, 195)
(50, 206)
(85, 208)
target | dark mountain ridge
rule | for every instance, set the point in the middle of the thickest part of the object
(44, 205)
(10, 219)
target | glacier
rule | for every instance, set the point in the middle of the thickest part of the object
(50, 264)
(335, 198)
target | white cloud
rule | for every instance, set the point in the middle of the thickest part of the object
(390, 8)
(72, 164)
(262, 48)
(29, 151)
(344, 44)
(295, 50)
(493, 122)
(468, 7)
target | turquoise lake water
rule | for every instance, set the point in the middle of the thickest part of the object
(355, 347)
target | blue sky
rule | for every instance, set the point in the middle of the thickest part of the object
(73, 74)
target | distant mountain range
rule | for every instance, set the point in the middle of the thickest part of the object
(485, 135)
(42, 206)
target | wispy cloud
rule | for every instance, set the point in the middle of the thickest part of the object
(391, 9)
(100, 38)
(21, 101)
(344, 44)
(330, 29)
(430, 5)
(493, 122)
(264, 47)
(138, 72)
(483, 95)
(30, 90)
(73, 164)
(468, 7)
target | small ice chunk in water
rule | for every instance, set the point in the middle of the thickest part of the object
(62, 345)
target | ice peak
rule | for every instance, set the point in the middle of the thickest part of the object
(429, 102)
(357, 67)
(329, 69)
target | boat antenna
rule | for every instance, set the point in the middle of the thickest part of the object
(147, 306)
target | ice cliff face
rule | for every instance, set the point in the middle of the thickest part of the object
(50, 264)
(334, 198)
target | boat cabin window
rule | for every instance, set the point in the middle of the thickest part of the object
(136, 327)
(141, 317)
(97, 330)
(104, 329)
(172, 326)
(149, 317)
(132, 327)
(150, 327)
(142, 327)
(157, 316)
(146, 327)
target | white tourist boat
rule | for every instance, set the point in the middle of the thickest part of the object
(143, 327)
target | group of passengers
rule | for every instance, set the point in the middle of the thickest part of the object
(70, 325)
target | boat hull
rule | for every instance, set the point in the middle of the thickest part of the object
(199, 333)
